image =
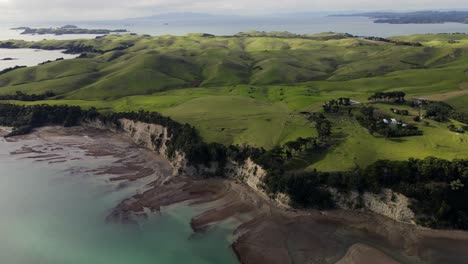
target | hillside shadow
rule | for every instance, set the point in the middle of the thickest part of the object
(398, 140)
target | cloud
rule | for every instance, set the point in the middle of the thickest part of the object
(106, 9)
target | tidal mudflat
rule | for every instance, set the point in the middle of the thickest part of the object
(83, 195)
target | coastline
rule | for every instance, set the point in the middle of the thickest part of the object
(266, 233)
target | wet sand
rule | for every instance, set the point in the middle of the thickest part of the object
(265, 233)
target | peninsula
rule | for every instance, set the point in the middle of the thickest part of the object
(67, 30)
(420, 17)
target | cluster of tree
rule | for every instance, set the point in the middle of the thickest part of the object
(456, 129)
(333, 106)
(207, 35)
(397, 96)
(20, 96)
(374, 123)
(81, 48)
(323, 126)
(396, 42)
(8, 45)
(460, 117)
(442, 112)
(11, 69)
(26, 118)
(438, 111)
(303, 187)
(367, 119)
(301, 145)
(400, 112)
(49, 61)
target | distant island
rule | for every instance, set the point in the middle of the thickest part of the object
(66, 30)
(420, 17)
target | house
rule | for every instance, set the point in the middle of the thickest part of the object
(393, 121)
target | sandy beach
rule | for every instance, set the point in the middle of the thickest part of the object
(265, 232)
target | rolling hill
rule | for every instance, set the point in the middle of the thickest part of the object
(254, 88)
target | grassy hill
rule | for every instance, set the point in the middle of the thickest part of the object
(253, 88)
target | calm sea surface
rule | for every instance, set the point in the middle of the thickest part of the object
(361, 26)
(29, 57)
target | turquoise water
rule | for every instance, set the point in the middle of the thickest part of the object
(49, 216)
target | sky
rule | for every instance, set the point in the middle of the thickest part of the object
(47, 10)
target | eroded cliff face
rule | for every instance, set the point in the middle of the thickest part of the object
(249, 172)
(388, 203)
(150, 136)
(155, 138)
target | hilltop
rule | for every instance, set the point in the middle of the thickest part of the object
(260, 88)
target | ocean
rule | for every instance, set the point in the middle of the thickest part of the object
(360, 26)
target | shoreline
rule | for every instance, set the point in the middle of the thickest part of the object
(266, 233)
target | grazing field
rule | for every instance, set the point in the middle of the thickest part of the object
(257, 89)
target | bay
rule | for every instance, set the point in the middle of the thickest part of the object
(51, 216)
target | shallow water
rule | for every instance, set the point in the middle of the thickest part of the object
(30, 57)
(50, 216)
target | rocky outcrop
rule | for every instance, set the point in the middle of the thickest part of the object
(5, 131)
(388, 203)
(249, 172)
(150, 136)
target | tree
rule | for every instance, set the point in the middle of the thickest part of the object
(323, 127)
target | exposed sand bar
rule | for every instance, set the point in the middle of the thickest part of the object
(265, 232)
